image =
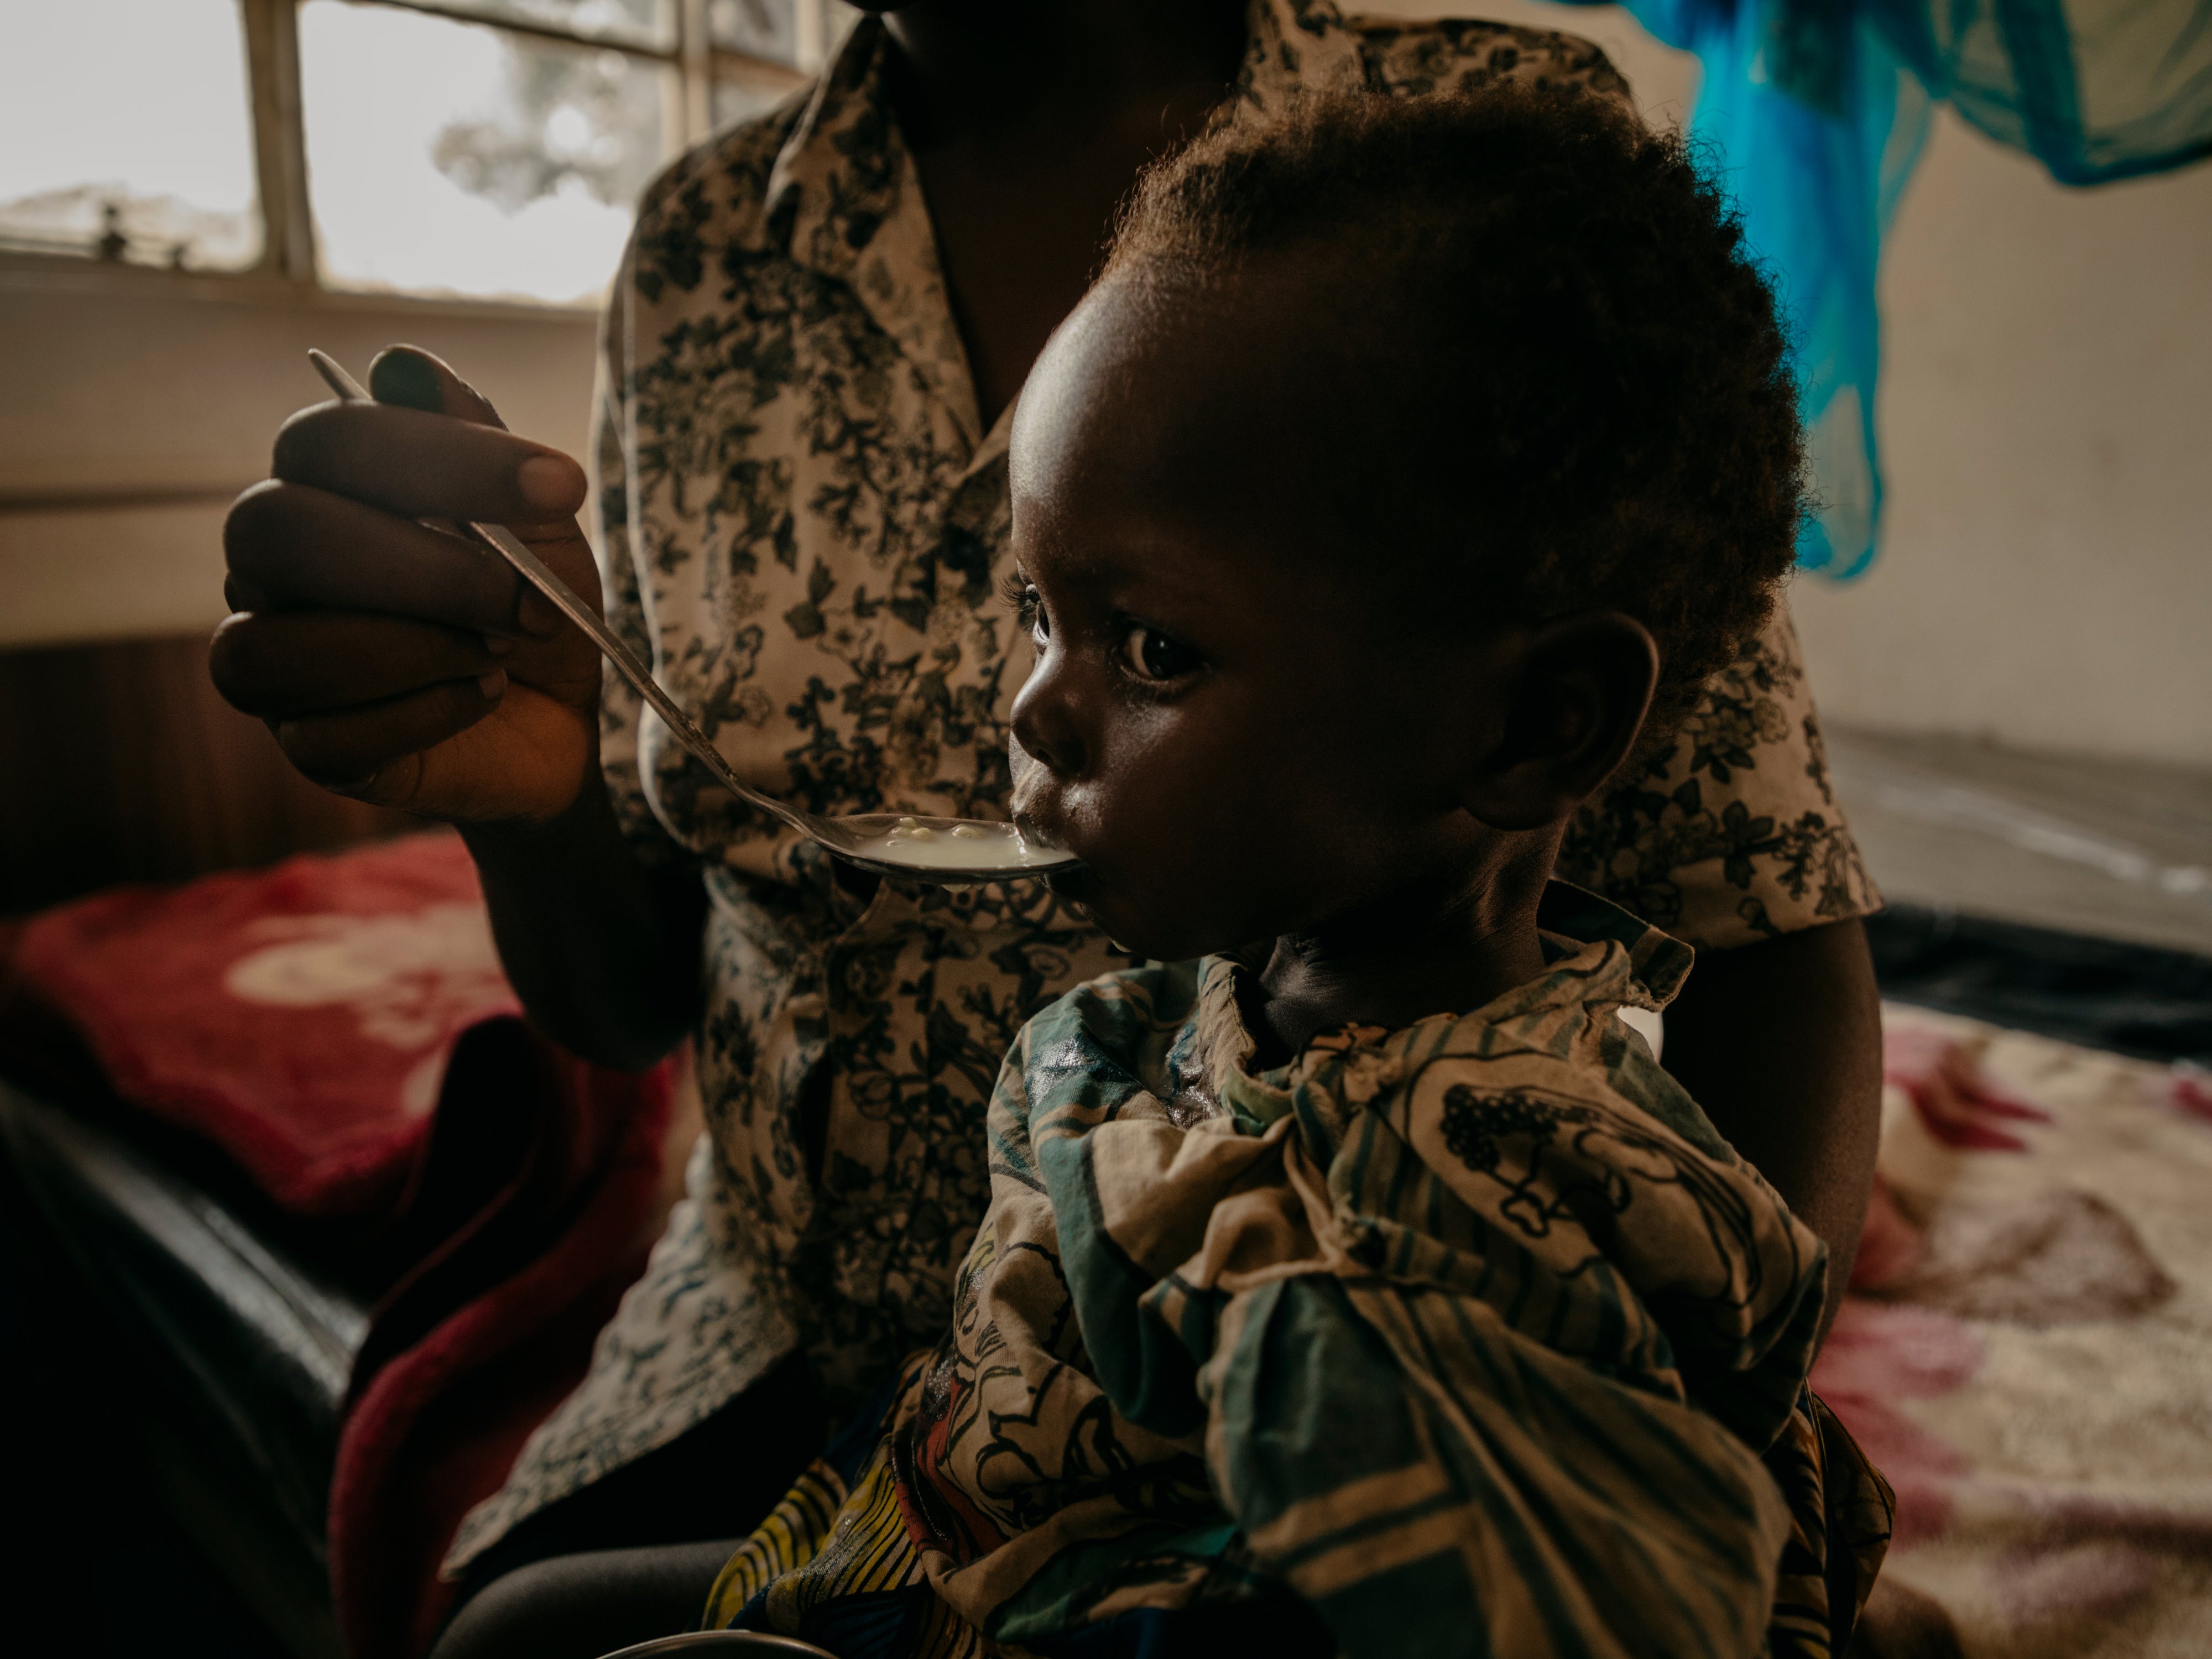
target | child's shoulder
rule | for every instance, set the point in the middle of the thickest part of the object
(1119, 1015)
(1138, 1030)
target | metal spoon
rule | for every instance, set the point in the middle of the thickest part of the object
(927, 849)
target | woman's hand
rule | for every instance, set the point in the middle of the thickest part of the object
(397, 662)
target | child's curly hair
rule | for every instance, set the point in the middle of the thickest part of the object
(1574, 372)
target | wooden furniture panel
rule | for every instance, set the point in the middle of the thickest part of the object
(118, 761)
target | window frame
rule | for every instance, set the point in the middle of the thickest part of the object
(270, 30)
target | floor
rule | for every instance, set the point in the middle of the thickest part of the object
(2114, 848)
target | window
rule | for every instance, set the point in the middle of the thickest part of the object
(126, 132)
(450, 155)
(469, 147)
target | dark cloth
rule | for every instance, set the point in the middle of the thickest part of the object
(717, 1480)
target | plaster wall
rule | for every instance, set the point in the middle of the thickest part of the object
(2046, 578)
(137, 403)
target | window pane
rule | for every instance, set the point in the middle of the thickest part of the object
(778, 29)
(765, 28)
(452, 157)
(742, 92)
(126, 132)
(641, 22)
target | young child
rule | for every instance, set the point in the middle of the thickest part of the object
(1372, 1291)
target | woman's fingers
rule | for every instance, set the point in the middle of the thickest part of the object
(399, 661)
(349, 751)
(279, 665)
(295, 547)
(422, 465)
(337, 526)
(415, 379)
(521, 759)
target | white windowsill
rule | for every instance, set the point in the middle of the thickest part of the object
(22, 271)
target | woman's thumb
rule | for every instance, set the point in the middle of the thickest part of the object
(414, 379)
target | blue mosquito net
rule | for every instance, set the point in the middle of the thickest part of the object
(1815, 111)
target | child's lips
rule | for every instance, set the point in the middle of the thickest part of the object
(1043, 832)
(1076, 881)
(1034, 807)
(1033, 787)
(1039, 811)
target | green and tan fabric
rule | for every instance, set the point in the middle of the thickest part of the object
(1474, 1335)
(803, 524)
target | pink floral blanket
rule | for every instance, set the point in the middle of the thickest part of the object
(2027, 1353)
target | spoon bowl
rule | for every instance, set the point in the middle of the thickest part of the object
(955, 851)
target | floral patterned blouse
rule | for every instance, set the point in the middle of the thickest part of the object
(804, 522)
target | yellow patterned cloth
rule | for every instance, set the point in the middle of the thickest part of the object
(835, 1558)
(1469, 1337)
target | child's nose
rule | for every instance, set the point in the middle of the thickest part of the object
(1046, 722)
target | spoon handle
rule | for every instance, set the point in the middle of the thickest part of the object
(533, 570)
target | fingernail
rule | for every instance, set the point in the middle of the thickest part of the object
(499, 645)
(402, 377)
(489, 408)
(547, 481)
(492, 684)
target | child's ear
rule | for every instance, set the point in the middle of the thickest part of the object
(1575, 697)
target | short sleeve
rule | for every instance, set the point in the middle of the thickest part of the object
(1732, 834)
(1464, 55)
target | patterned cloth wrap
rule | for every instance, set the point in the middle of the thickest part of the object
(1471, 1335)
(804, 523)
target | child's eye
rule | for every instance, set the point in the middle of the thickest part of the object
(1152, 655)
(1019, 592)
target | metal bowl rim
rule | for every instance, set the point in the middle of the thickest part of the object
(729, 1641)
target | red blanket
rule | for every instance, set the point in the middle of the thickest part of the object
(300, 1017)
(340, 1029)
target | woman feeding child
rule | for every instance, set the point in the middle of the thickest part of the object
(810, 359)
